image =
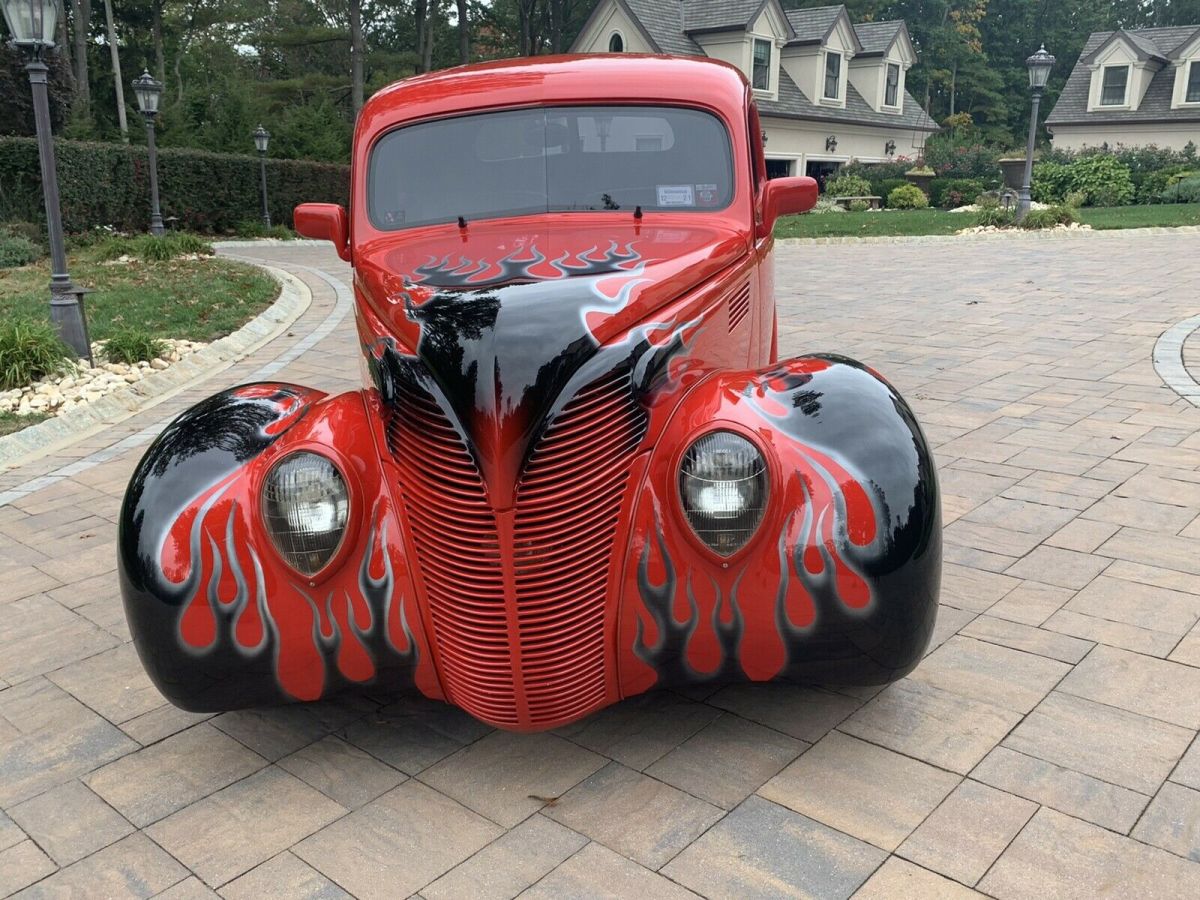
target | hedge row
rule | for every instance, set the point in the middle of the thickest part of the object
(108, 184)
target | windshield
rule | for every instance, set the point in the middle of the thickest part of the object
(554, 159)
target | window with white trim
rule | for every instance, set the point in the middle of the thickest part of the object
(891, 92)
(1113, 85)
(1192, 94)
(616, 43)
(833, 75)
(762, 65)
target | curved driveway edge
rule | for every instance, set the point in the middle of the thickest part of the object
(1168, 359)
(63, 430)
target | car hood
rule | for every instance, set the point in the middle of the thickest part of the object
(502, 326)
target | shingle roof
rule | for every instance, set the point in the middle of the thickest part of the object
(661, 21)
(876, 37)
(813, 24)
(717, 15)
(794, 104)
(1156, 104)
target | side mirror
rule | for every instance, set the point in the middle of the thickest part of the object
(785, 197)
(324, 222)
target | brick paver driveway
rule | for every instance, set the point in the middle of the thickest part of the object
(1045, 747)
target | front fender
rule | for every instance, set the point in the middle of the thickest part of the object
(219, 619)
(839, 584)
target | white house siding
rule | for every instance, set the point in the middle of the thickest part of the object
(598, 33)
(803, 141)
(1130, 134)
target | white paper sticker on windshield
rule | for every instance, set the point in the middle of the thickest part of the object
(676, 195)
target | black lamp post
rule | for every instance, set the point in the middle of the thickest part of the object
(31, 24)
(262, 139)
(148, 92)
(1039, 66)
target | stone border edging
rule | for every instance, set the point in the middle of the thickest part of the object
(1006, 235)
(82, 421)
(1168, 359)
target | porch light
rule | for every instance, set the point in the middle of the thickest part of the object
(830, 144)
(889, 148)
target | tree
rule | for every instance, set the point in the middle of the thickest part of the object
(118, 82)
(464, 32)
(81, 15)
(356, 55)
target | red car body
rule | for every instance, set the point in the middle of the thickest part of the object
(516, 540)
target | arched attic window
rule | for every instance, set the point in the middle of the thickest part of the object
(616, 43)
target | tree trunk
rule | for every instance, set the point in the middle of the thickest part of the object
(464, 33)
(427, 52)
(953, 86)
(116, 64)
(82, 15)
(160, 57)
(64, 44)
(557, 14)
(420, 10)
(356, 56)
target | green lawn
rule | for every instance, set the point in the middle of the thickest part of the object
(936, 221)
(194, 299)
(10, 422)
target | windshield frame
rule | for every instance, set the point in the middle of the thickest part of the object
(731, 158)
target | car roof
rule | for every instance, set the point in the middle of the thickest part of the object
(576, 79)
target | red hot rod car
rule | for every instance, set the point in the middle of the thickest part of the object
(578, 470)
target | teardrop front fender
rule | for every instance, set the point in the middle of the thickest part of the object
(839, 583)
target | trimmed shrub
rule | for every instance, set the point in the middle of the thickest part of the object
(29, 351)
(1186, 191)
(886, 186)
(1104, 179)
(950, 193)
(825, 205)
(17, 251)
(847, 186)
(859, 206)
(1051, 181)
(995, 217)
(907, 196)
(1038, 219)
(132, 345)
(108, 184)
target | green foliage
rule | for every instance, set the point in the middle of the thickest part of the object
(107, 184)
(1185, 191)
(885, 187)
(28, 351)
(1039, 219)
(975, 160)
(994, 216)
(907, 196)
(988, 201)
(847, 186)
(825, 205)
(1104, 179)
(1051, 181)
(17, 251)
(254, 228)
(148, 248)
(1074, 199)
(859, 206)
(950, 193)
(130, 345)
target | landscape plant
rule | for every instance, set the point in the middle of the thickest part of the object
(847, 186)
(1185, 191)
(1051, 216)
(16, 250)
(29, 350)
(907, 196)
(130, 345)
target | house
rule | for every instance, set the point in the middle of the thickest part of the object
(827, 90)
(1133, 88)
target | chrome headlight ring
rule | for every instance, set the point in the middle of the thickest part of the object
(306, 508)
(723, 488)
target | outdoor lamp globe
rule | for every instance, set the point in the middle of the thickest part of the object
(262, 138)
(31, 22)
(148, 92)
(1039, 65)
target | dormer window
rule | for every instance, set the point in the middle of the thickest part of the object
(1114, 86)
(891, 91)
(762, 65)
(616, 43)
(1193, 82)
(833, 75)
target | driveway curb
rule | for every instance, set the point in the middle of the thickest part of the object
(1015, 234)
(1168, 359)
(63, 430)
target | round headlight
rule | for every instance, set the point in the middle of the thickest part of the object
(723, 485)
(306, 504)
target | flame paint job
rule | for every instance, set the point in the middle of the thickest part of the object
(532, 384)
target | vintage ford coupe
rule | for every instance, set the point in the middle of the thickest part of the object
(578, 470)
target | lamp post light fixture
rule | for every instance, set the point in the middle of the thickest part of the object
(148, 92)
(31, 24)
(262, 139)
(1039, 66)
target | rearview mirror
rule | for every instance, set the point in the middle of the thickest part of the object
(324, 222)
(785, 197)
